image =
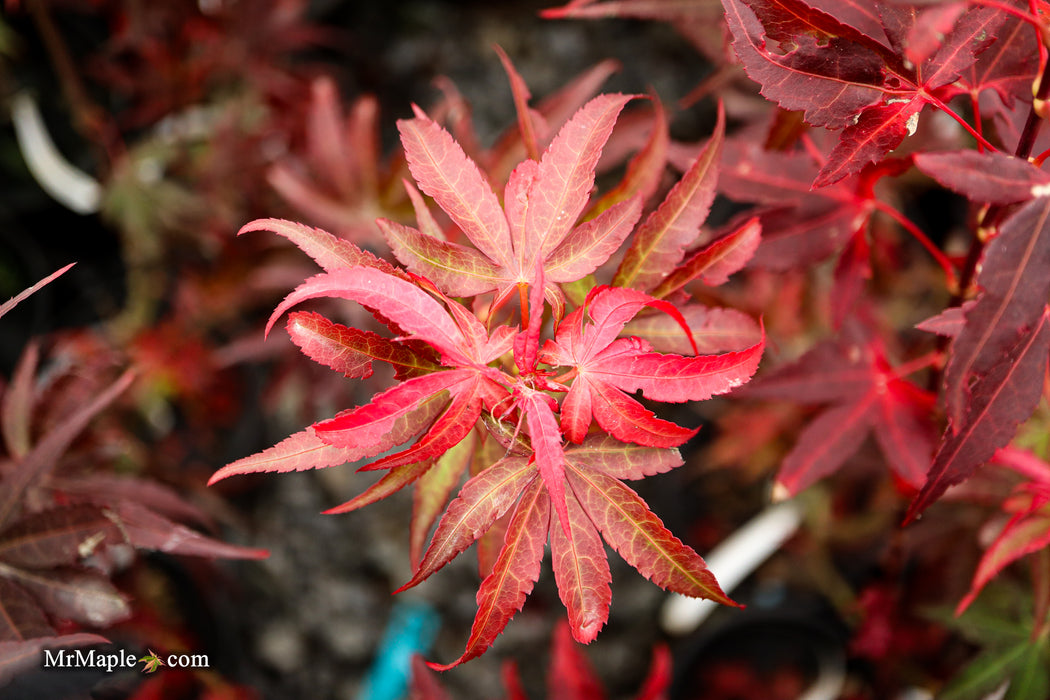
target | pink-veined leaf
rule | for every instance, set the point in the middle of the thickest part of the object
(458, 270)
(399, 412)
(622, 460)
(435, 487)
(393, 481)
(623, 418)
(715, 330)
(605, 367)
(445, 173)
(521, 94)
(444, 433)
(565, 176)
(29, 291)
(714, 263)
(299, 451)
(351, 351)
(481, 501)
(329, 252)
(592, 243)
(999, 402)
(516, 570)
(402, 302)
(1026, 532)
(646, 168)
(661, 241)
(547, 450)
(628, 525)
(582, 573)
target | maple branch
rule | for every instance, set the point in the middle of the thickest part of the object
(1035, 121)
(949, 270)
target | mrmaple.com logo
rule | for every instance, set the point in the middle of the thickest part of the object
(111, 661)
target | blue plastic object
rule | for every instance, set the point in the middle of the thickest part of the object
(410, 631)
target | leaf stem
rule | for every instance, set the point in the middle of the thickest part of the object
(1041, 158)
(930, 359)
(1029, 17)
(943, 106)
(523, 299)
(949, 270)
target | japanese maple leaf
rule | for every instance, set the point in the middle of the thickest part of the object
(446, 403)
(345, 181)
(598, 506)
(605, 368)
(993, 377)
(799, 225)
(866, 395)
(1028, 529)
(537, 222)
(846, 77)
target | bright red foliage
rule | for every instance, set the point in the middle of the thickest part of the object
(468, 377)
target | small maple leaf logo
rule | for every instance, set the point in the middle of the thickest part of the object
(152, 662)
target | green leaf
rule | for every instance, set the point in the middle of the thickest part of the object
(985, 673)
(1032, 679)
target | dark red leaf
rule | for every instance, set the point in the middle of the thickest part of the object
(985, 177)
(998, 403)
(1015, 289)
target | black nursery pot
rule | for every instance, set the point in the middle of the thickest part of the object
(794, 650)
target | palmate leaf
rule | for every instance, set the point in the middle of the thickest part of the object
(514, 485)
(606, 367)
(866, 396)
(660, 242)
(542, 203)
(843, 78)
(628, 525)
(799, 225)
(1027, 531)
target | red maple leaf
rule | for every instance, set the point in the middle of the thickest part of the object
(865, 395)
